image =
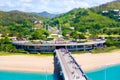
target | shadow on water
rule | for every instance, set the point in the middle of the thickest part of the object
(57, 69)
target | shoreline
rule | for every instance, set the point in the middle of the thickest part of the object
(102, 68)
(19, 71)
(33, 64)
(37, 72)
(39, 64)
(91, 62)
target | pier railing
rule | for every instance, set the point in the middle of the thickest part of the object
(70, 68)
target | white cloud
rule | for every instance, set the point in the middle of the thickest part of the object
(27, 4)
(10, 4)
(48, 5)
(26, 0)
(1, 5)
(75, 4)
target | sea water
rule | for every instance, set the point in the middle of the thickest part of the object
(106, 73)
(7, 75)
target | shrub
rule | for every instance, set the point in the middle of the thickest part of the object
(103, 50)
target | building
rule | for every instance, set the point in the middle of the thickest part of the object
(51, 46)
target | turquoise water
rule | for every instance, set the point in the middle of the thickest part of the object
(112, 73)
(106, 73)
(4, 75)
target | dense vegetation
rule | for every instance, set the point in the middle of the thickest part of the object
(39, 34)
(108, 6)
(20, 24)
(6, 46)
(84, 20)
(111, 10)
(92, 23)
(18, 17)
(76, 24)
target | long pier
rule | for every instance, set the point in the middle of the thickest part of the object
(70, 69)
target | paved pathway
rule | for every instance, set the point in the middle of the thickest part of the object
(70, 68)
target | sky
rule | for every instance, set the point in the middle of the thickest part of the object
(52, 6)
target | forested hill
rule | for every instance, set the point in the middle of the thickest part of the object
(88, 17)
(46, 14)
(110, 9)
(108, 6)
(83, 19)
(17, 17)
(19, 24)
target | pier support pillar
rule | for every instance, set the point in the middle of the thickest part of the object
(35, 49)
(102, 45)
(76, 48)
(84, 48)
(65, 47)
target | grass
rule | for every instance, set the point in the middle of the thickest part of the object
(99, 50)
(25, 54)
(105, 50)
(94, 51)
(105, 35)
(79, 52)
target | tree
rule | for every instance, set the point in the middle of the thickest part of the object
(81, 36)
(36, 35)
(64, 33)
(6, 40)
(6, 46)
(46, 33)
(74, 34)
(9, 48)
(39, 34)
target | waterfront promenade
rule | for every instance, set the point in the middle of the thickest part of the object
(51, 46)
(70, 69)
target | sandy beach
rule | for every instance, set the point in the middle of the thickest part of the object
(27, 63)
(46, 64)
(90, 62)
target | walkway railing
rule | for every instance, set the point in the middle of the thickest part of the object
(70, 68)
(64, 44)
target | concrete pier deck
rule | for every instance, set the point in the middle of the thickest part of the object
(70, 69)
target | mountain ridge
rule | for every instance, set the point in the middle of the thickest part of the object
(17, 17)
(46, 14)
(107, 6)
(87, 19)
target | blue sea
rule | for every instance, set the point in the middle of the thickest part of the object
(106, 73)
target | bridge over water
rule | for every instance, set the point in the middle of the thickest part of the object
(70, 68)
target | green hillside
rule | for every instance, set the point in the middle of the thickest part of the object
(108, 6)
(88, 22)
(83, 20)
(78, 24)
(111, 10)
(17, 17)
(20, 24)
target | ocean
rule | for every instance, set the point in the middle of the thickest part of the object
(7, 75)
(106, 73)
